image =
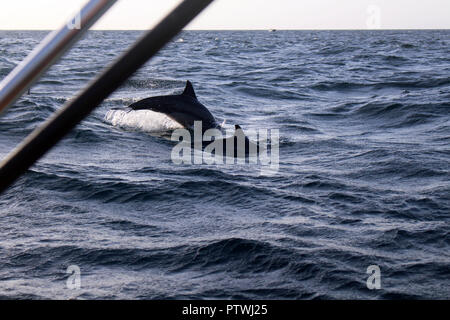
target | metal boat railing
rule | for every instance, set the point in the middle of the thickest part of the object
(73, 112)
(48, 52)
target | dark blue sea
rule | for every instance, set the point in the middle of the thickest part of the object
(363, 179)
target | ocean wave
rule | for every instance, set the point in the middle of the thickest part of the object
(394, 58)
(153, 83)
(413, 84)
(85, 136)
(241, 255)
(389, 114)
(407, 45)
(230, 191)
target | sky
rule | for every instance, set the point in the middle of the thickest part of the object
(239, 14)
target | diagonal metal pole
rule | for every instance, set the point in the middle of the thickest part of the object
(49, 50)
(53, 130)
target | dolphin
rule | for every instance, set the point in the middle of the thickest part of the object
(241, 145)
(183, 108)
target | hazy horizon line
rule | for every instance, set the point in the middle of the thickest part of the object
(266, 29)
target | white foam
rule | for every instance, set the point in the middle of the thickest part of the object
(142, 120)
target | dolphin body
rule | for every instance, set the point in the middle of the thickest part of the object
(183, 108)
(241, 145)
(238, 145)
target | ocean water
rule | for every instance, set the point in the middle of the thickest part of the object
(363, 179)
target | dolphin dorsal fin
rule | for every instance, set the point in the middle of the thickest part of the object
(238, 132)
(189, 90)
